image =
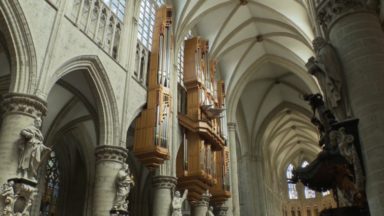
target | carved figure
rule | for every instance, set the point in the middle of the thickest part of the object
(326, 67)
(8, 193)
(32, 150)
(348, 151)
(124, 183)
(210, 211)
(177, 203)
(18, 198)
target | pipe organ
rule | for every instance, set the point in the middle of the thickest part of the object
(201, 160)
(153, 126)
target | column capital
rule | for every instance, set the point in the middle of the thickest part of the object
(25, 104)
(204, 201)
(220, 210)
(232, 126)
(111, 153)
(329, 11)
(164, 182)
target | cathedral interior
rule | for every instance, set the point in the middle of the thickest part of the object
(191, 107)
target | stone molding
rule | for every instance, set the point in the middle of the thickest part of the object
(204, 201)
(231, 126)
(243, 2)
(111, 153)
(164, 182)
(23, 103)
(329, 11)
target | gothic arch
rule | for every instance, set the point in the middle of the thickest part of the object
(108, 114)
(14, 26)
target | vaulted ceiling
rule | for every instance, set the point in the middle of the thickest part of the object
(262, 47)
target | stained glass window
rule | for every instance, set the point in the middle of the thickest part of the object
(51, 192)
(117, 7)
(292, 191)
(308, 193)
(147, 17)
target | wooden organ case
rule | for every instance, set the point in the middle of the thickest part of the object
(153, 126)
(202, 160)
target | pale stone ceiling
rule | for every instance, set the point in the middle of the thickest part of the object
(262, 47)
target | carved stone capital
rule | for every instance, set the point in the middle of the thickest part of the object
(329, 11)
(204, 201)
(164, 182)
(18, 195)
(111, 153)
(220, 210)
(23, 103)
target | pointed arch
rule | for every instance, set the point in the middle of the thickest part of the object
(14, 26)
(108, 114)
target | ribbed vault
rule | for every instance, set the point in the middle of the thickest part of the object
(261, 47)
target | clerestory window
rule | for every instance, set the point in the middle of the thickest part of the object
(146, 23)
(117, 7)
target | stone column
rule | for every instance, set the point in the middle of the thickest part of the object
(19, 112)
(220, 209)
(200, 208)
(356, 34)
(234, 174)
(109, 160)
(163, 187)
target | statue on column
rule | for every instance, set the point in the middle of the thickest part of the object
(32, 150)
(124, 183)
(327, 68)
(177, 203)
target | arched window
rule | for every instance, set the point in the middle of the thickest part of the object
(292, 191)
(308, 193)
(117, 7)
(147, 17)
(51, 190)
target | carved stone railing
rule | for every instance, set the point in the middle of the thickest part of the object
(97, 20)
(141, 64)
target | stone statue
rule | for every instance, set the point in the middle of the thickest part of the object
(32, 150)
(177, 203)
(124, 183)
(326, 67)
(210, 211)
(351, 185)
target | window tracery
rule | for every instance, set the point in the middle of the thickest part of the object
(308, 193)
(292, 191)
(147, 17)
(117, 7)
